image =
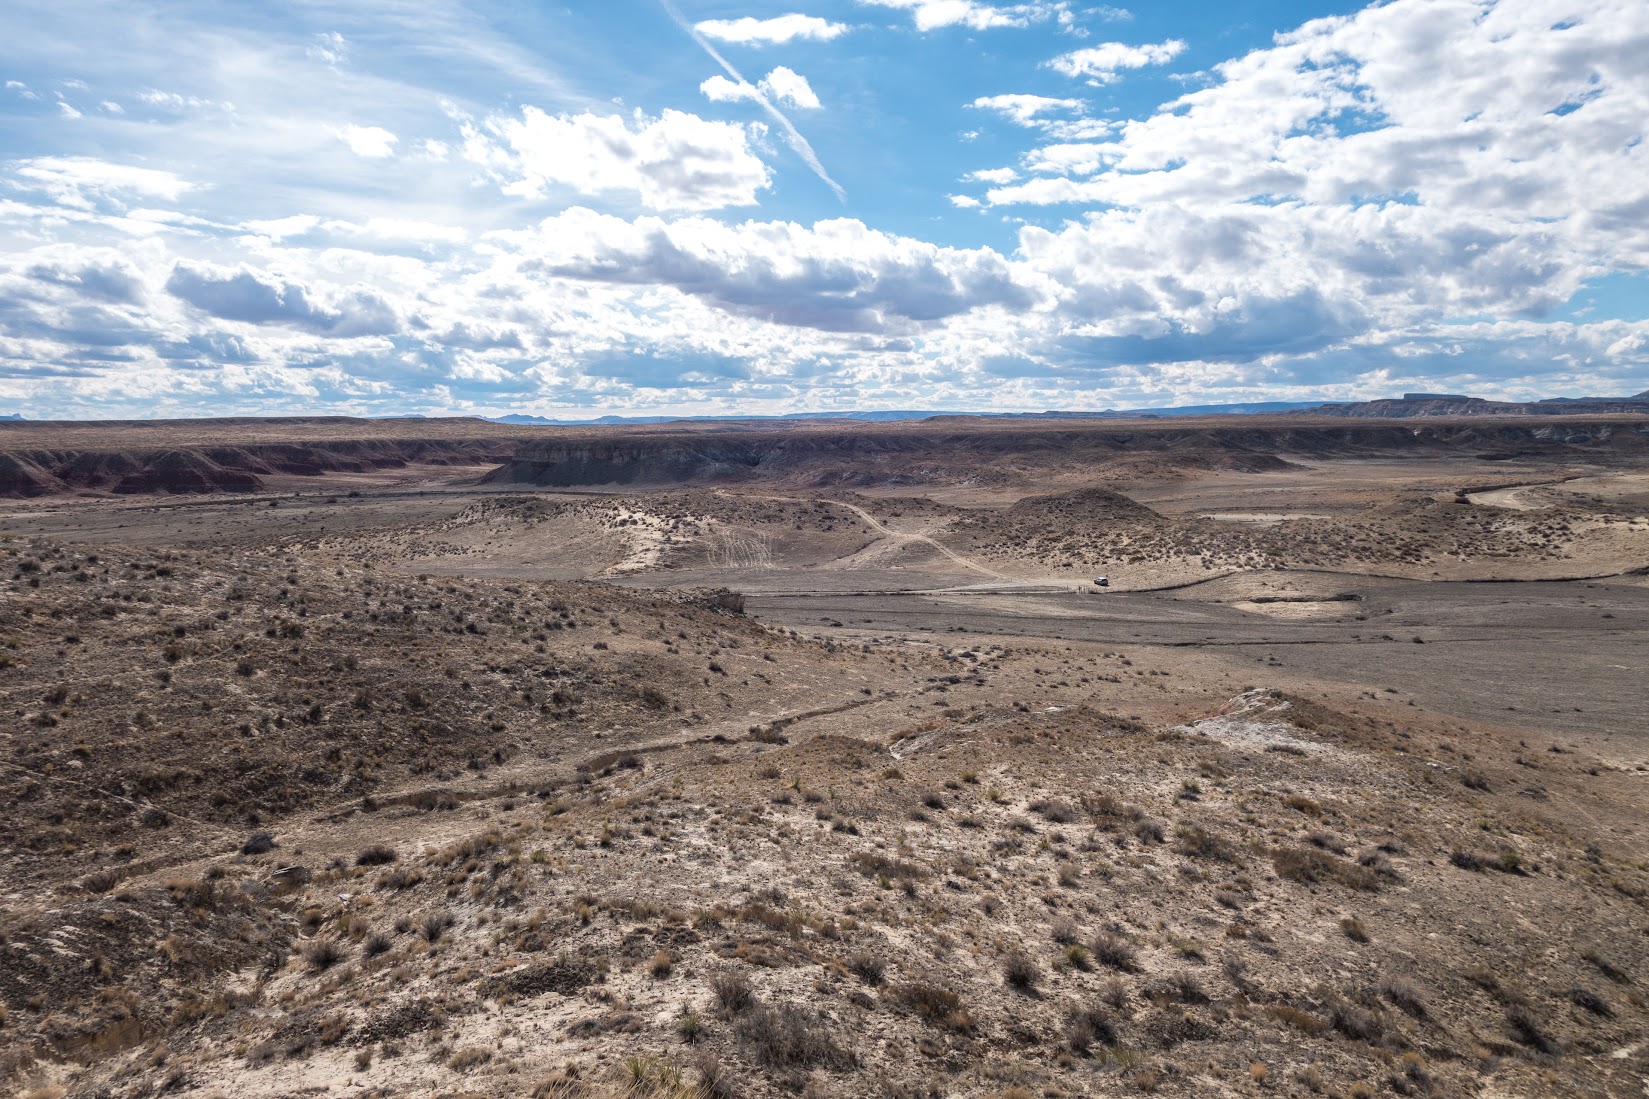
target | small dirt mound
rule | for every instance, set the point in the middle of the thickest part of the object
(1089, 504)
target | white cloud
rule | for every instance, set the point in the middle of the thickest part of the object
(676, 161)
(280, 228)
(371, 142)
(1101, 63)
(719, 89)
(67, 109)
(1079, 158)
(78, 181)
(779, 29)
(992, 175)
(836, 275)
(259, 297)
(781, 86)
(330, 48)
(1025, 109)
(965, 202)
(173, 101)
(790, 89)
(112, 107)
(934, 14)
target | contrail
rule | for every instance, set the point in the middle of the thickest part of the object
(793, 138)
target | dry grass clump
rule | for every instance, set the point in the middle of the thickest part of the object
(323, 954)
(733, 990)
(790, 1037)
(1020, 972)
(936, 1005)
(1199, 843)
(1114, 951)
(868, 967)
(1311, 866)
(376, 855)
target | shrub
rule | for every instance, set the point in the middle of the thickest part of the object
(434, 924)
(1020, 972)
(1355, 1022)
(376, 943)
(258, 843)
(1354, 929)
(1088, 1026)
(323, 954)
(1527, 1030)
(789, 1037)
(1149, 831)
(1115, 951)
(1311, 867)
(1403, 996)
(101, 881)
(714, 1079)
(872, 865)
(376, 855)
(1587, 999)
(1182, 987)
(733, 991)
(936, 1005)
(1199, 843)
(1466, 860)
(1055, 812)
(867, 967)
(1606, 967)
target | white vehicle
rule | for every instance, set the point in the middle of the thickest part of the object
(1102, 581)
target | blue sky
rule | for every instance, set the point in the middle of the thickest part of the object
(674, 207)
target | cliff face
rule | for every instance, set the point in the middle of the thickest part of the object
(861, 455)
(201, 469)
(211, 457)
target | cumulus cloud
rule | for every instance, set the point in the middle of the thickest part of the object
(790, 89)
(792, 136)
(258, 297)
(992, 175)
(677, 161)
(1102, 63)
(1394, 199)
(1412, 158)
(371, 142)
(781, 86)
(1025, 110)
(836, 275)
(934, 14)
(747, 31)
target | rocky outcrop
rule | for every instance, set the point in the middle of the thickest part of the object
(983, 451)
(205, 469)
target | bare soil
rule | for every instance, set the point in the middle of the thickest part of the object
(430, 780)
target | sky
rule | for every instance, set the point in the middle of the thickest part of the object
(646, 207)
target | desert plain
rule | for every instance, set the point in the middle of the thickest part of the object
(442, 757)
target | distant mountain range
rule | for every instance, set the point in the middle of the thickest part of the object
(882, 416)
(1409, 404)
(1456, 404)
